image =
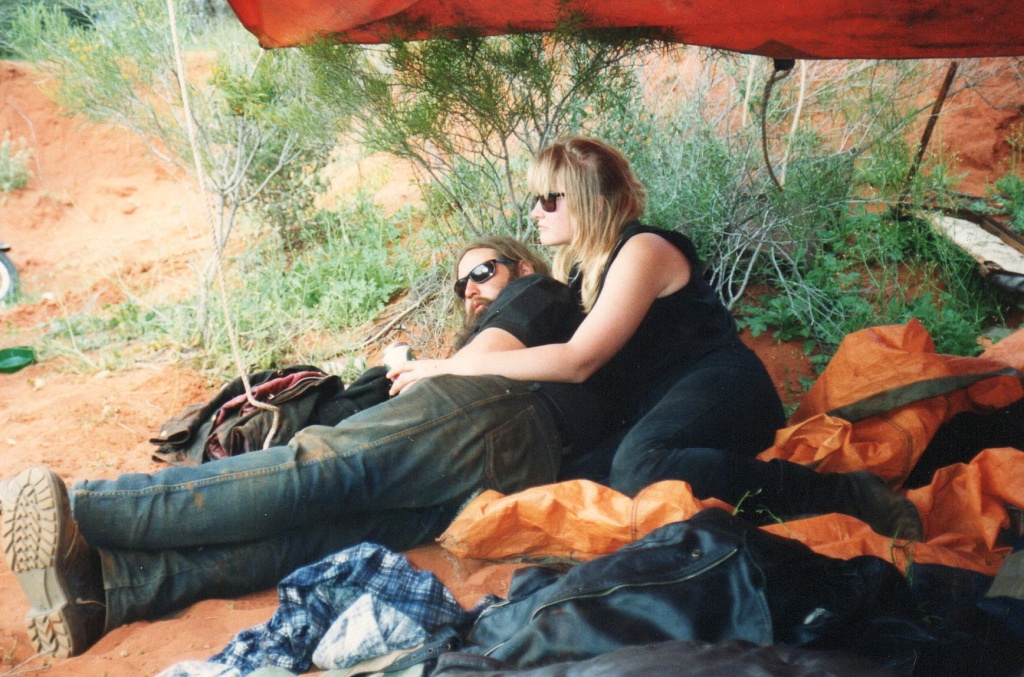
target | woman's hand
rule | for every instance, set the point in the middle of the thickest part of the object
(407, 373)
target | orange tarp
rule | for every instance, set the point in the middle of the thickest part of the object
(796, 29)
(963, 509)
(578, 519)
(880, 367)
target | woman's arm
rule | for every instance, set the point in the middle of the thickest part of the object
(647, 267)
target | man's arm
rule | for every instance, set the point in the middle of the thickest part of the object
(491, 340)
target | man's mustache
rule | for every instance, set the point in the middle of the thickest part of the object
(481, 304)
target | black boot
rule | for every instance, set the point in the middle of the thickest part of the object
(59, 573)
(867, 497)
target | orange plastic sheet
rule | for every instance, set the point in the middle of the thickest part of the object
(577, 520)
(897, 391)
(963, 510)
(791, 29)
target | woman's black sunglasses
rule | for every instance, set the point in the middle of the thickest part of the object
(549, 202)
(480, 274)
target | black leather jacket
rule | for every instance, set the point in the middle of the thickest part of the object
(713, 578)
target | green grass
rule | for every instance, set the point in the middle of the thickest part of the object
(287, 306)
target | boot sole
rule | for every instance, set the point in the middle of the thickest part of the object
(32, 531)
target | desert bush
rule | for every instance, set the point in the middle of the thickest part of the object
(826, 243)
(826, 251)
(1008, 190)
(9, 10)
(14, 161)
(287, 308)
(470, 112)
(297, 307)
(249, 114)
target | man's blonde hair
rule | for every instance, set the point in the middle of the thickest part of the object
(507, 248)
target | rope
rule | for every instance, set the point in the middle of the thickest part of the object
(796, 119)
(211, 221)
(783, 67)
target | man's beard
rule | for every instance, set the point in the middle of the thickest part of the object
(469, 322)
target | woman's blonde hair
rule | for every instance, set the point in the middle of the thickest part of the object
(603, 195)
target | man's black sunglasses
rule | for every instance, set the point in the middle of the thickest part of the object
(480, 274)
(549, 202)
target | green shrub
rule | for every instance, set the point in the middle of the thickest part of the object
(833, 259)
(1010, 191)
(14, 161)
(470, 112)
(874, 270)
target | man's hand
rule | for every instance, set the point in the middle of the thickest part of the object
(407, 373)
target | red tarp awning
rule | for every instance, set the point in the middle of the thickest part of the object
(789, 29)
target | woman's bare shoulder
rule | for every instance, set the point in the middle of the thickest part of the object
(647, 245)
(660, 259)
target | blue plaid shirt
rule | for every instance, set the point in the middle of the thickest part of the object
(377, 602)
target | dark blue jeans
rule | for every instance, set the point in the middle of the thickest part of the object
(395, 473)
(148, 584)
(699, 425)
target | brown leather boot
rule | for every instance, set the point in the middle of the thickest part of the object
(867, 497)
(59, 573)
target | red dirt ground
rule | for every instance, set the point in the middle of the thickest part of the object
(102, 219)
